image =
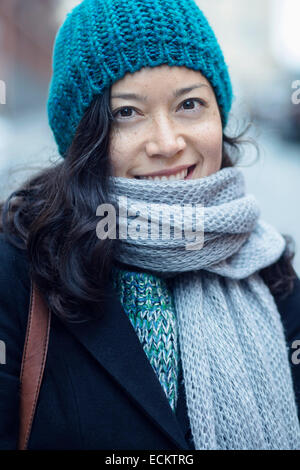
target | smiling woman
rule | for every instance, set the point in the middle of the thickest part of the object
(172, 128)
(152, 345)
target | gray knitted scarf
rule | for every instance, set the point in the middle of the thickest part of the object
(236, 370)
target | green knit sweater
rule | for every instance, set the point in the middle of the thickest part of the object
(147, 300)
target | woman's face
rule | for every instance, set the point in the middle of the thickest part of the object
(169, 123)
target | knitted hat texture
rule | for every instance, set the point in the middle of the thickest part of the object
(101, 41)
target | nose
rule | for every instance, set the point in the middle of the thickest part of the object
(165, 141)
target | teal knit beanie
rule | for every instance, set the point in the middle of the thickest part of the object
(102, 40)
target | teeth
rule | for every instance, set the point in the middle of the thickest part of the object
(178, 176)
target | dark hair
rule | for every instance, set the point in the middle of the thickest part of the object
(52, 215)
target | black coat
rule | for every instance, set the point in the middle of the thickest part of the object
(99, 390)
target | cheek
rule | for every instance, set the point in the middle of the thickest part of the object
(211, 149)
(121, 153)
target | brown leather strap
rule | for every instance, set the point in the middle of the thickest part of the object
(33, 362)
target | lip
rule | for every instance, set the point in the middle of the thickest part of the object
(170, 172)
(191, 172)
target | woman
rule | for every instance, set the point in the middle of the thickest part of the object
(156, 342)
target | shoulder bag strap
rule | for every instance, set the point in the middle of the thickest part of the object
(33, 362)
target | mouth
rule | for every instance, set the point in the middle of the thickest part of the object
(184, 174)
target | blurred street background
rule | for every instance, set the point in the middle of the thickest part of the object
(261, 44)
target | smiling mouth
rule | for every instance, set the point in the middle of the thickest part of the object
(181, 175)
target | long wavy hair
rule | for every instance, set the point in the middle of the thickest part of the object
(52, 216)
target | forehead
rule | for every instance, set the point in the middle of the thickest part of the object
(163, 75)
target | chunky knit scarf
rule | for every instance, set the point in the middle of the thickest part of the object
(234, 355)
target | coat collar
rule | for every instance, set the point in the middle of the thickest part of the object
(114, 343)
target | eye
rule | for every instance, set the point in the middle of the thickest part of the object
(191, 100)
(121, 110)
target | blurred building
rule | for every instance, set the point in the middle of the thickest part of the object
(261, 44)
(285, 33)
(27, 33)
(242, 28)
(27, 30)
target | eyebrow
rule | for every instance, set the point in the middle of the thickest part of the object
(176, 93)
